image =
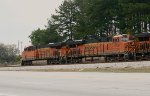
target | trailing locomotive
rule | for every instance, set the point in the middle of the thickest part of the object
(119, 48)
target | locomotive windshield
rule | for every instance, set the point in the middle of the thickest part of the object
(124, 38)
(30, 48)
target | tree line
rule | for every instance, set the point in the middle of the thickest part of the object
(74, 19)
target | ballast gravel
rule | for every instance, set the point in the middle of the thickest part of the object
(138, 64)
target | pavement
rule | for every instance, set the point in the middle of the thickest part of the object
(20, 83)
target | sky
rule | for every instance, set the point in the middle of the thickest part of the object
(18, 18)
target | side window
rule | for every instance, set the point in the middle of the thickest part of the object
(118, 39)
(124, 39)
(115, 39)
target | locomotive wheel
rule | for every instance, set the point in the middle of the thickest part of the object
(126, 57)
(78, 60)
(145, 56)
(73, 61)
(29, 63)
(49, 62)
(148, 56)
(22, 63)
(62, 61)
(109, 59)
(139, 57)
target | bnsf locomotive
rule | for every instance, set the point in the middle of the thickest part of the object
(91, 49)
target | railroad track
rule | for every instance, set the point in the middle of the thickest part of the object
(138, 64)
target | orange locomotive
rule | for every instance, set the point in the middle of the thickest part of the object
(119, 48)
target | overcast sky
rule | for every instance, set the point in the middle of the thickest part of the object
(18, 18)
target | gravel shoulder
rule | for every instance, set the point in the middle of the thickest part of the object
(139, 66)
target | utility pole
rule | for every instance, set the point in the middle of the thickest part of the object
(21, 46)
(18, 47)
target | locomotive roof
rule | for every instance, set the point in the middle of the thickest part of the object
(59, 44)
(116, 36)
(143, 35)
(74, 42)
(30, 48)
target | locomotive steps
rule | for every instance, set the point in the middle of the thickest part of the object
(139, 66)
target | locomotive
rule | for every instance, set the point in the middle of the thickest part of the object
(91, 49)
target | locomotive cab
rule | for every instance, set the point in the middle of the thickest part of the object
(30, 48)
(120, 38)
(28, 55)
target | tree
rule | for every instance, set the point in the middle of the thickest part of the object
(95, 17)
(135, 15)
(78, 18)
(45, 36)
(52, 34)
(8, 53)
(65, 19)
(84, 23)
(38, 37)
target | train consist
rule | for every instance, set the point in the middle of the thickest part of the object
(91, 49)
